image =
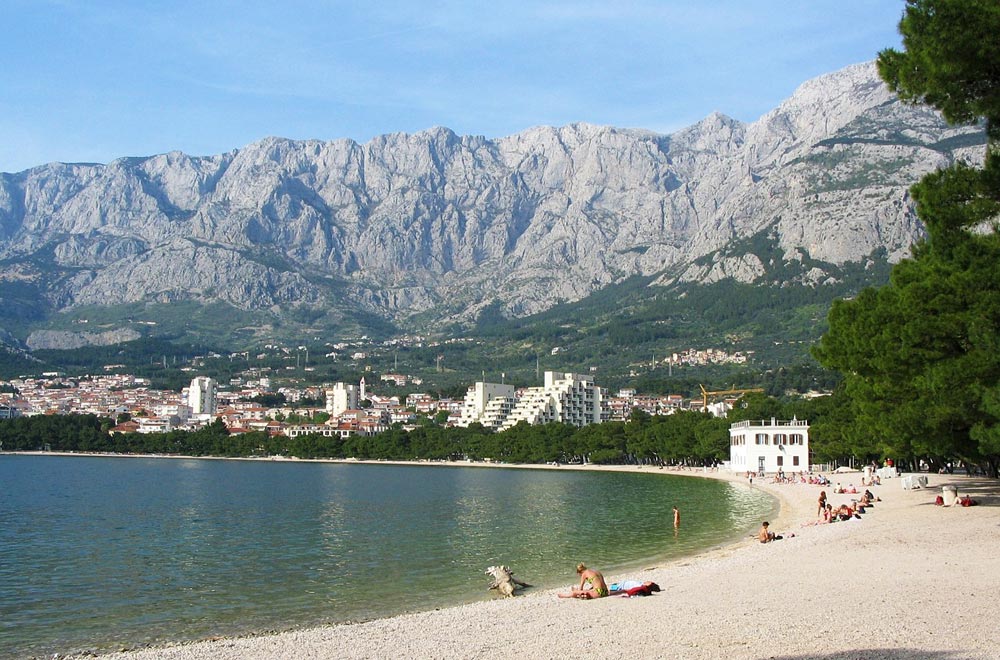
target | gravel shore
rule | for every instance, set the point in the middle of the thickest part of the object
(908, 580)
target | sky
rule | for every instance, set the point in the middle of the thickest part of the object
(95, 80)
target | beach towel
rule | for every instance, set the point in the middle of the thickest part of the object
(642, 590)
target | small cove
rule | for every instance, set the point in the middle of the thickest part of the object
(99, 552)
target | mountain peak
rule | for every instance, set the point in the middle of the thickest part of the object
(433, 224)
(820, 107)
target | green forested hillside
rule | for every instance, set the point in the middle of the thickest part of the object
(622, 334)
(621, 330)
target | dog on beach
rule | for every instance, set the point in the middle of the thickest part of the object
(504, 580)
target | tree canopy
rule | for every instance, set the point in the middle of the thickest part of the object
(920, 355)
(949, 61)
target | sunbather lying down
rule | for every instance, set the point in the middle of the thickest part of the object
(633, 588)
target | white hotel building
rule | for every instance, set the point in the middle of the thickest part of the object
(487, 403)
(565, 397)
(762, 446)
(201, 396)
(341, 398)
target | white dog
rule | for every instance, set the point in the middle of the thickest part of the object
(503, 580)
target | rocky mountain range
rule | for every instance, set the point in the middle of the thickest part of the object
(431, 227)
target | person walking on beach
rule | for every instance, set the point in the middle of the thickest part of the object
(596, 586)
(677, 518)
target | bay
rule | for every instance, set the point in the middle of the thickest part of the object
(98, 553)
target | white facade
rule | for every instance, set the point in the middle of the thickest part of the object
(178, 410)
(769, 446)
(202, 396)
(565, 397)
(342, 397)
(153, 425)
(487, 403)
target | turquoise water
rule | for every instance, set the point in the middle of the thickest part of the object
(100, 553)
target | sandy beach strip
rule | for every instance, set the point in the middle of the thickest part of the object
(908, 580)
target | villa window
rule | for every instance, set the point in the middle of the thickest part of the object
(780, 439)
(761, 438)
(781, 461)
(795, 460)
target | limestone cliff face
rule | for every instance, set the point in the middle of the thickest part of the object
(65, 339)
(439, 222)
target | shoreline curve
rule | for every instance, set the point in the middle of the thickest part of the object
(908, 580)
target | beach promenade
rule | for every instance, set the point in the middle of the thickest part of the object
(908, 580)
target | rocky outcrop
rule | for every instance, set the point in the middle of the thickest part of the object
(65, 339)
(442, 223)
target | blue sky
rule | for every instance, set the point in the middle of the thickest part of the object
(93, 80)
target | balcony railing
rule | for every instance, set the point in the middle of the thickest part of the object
(747, 423)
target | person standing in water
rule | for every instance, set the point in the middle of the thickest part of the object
(677, 518)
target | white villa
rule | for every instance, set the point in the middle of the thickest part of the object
(762, 446)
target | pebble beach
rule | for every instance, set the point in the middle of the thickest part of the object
(908, 580)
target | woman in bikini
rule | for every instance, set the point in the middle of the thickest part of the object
(596, 586)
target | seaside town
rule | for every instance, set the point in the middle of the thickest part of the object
(350, 410)
(344, 409)
(726, 384)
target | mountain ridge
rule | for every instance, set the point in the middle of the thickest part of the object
(433, 225)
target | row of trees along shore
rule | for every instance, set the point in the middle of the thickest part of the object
(920, 357)
(684, 438)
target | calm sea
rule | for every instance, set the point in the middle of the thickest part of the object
(101, 553)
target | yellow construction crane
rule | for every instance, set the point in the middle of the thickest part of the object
(705, 393)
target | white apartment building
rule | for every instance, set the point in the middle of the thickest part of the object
(565, 397)
(202, 396)
(487, 403)
(342, 397)
(154, 424)
(178, 410)
(769, 446)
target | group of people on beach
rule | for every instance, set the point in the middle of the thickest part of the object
(593, 585)
(816, 480)
(781, 477)
(827, 513)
